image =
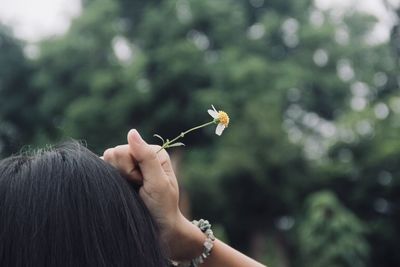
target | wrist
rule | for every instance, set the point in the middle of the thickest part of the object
(186, 242)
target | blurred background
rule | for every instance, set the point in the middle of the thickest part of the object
(307, 174)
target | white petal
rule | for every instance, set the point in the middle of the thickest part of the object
(214, 108)
(220, 128)
(213, 113)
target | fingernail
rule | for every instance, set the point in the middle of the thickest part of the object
(136, 137)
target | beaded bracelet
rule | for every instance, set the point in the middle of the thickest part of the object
(205, 227)
(208, 244)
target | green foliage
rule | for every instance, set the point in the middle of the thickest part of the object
(330, 235)
(19, 118)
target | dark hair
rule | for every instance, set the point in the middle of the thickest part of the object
(64, 206)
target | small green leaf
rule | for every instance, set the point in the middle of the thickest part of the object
(176, 144)
(159, 137)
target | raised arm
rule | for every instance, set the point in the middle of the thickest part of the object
(140, 163)
(222, 254)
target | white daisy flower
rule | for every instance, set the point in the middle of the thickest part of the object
(219, 117)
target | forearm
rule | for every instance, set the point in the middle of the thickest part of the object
(224, 255)
(190, 245)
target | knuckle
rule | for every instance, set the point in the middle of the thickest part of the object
(117, 147)
(108, 154)
(118, 151)
(149, 155)
(157, 147)
(164, 154)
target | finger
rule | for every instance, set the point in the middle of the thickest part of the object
(166, 164)
(136, 176)
(146, 157)
(121, 159)
(163, 158)
(108, 156)
(127, 165)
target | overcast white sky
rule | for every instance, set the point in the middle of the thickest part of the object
(35, 19)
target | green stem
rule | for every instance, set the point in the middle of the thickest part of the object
(166, 144)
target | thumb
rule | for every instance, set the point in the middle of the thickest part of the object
(145, 156)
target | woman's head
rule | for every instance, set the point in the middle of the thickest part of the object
(66, 207)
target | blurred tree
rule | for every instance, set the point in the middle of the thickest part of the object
(368, 182)
(18, 113)
(87, 83)
(331, 236)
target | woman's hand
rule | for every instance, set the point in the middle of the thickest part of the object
(140, 163)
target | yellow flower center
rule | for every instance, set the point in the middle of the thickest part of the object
(223, 118)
